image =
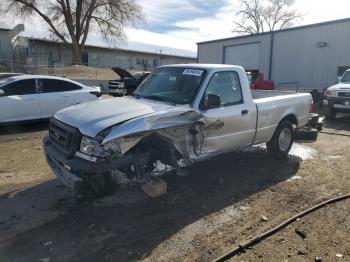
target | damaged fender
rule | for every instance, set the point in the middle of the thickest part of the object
(182, 126)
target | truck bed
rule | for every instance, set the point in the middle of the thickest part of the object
(273, 105)
(257, 94)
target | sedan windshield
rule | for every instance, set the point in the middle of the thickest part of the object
(346, 77)
(6, 80)
(172, 84)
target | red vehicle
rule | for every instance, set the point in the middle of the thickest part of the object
(257, 81)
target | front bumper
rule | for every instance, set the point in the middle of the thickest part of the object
(340, 104)
(72, 171)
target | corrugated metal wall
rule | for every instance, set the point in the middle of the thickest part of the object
(213, 52)
(5, 47)
(44, 53)
(298, 55)
(302, 58)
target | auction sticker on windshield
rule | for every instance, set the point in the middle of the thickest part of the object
(193, 72)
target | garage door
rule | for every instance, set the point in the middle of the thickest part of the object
(247, 55)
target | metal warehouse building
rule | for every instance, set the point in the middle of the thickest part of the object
(43, 52)
(6, 35)
(306, 57)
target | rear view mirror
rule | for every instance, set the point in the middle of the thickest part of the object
(338, 79)
(2, 93)
(213, 101)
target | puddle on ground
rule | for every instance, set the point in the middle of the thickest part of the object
(304, 152)
(298, 150)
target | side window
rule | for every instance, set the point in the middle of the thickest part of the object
(73, 87)
(21, 87)
(226, 86)
(54, 85)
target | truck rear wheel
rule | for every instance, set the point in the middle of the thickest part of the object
(282, 140)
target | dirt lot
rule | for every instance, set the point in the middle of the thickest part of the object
(203, 215)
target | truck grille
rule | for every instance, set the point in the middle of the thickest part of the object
(344, 94)
(64, 137)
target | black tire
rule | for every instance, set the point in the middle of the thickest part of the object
(309, 135)
(275, 145)
(330, 113)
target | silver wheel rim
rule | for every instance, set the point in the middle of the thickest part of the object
(285, 139)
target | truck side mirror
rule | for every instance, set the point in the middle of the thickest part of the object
(2, 92)
(338, 79)
(213, 101)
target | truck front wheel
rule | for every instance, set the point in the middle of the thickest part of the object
(282, 140)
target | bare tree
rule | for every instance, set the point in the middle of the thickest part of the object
(259, 16)
(72, 20)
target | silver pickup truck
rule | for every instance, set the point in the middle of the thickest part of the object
(178, 116)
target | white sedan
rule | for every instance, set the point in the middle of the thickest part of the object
(30, 97)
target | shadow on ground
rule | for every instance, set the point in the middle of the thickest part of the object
(22, 210)
(341, 122)
(20, 128)
(131, 230)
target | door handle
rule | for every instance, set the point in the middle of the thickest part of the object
(66, 95)
(244, 112)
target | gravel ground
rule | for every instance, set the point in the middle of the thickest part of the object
(203, 215)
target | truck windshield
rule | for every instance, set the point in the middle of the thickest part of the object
(346, 77)
(173, 84)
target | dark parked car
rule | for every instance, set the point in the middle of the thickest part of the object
(127, 83)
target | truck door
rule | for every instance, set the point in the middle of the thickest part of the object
(230, 121)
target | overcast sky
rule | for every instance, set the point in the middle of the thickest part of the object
(182, 23)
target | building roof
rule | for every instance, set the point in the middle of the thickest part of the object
(4, 26)
(110, 48)
(278, 31)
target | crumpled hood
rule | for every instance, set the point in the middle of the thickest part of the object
(340, 86)
(93, 117)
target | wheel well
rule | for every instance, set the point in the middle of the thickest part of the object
(161, 148)
(291, 118)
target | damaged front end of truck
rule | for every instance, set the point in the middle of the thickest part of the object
(132, 152)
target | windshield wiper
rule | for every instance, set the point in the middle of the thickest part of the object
(160, 98)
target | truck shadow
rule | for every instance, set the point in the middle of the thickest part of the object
(131, 231)
(341, 122)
